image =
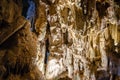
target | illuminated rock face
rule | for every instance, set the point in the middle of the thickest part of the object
(82, 35)
(71, 40)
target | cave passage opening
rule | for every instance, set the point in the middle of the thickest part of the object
(29, 12)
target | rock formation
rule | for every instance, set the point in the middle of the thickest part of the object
(69, 40)
(17, 44)
(83, 37)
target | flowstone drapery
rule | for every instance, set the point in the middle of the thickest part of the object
(82, 35)
(59, 40)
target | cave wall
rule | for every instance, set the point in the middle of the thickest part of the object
(83, 39)
(17, 44)
(71, 40)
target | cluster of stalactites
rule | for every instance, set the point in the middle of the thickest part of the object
(81, 32)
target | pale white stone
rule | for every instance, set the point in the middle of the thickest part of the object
(54, 68)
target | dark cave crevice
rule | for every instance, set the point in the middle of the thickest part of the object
(29, 12)
(47, 53)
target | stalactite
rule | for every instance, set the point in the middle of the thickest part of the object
(84, 37)
(69, 39)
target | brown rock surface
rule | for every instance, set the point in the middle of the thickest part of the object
(18, 45)
(73, 40)
(82, 35)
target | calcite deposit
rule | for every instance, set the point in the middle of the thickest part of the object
(61, 40)
(83, 37)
